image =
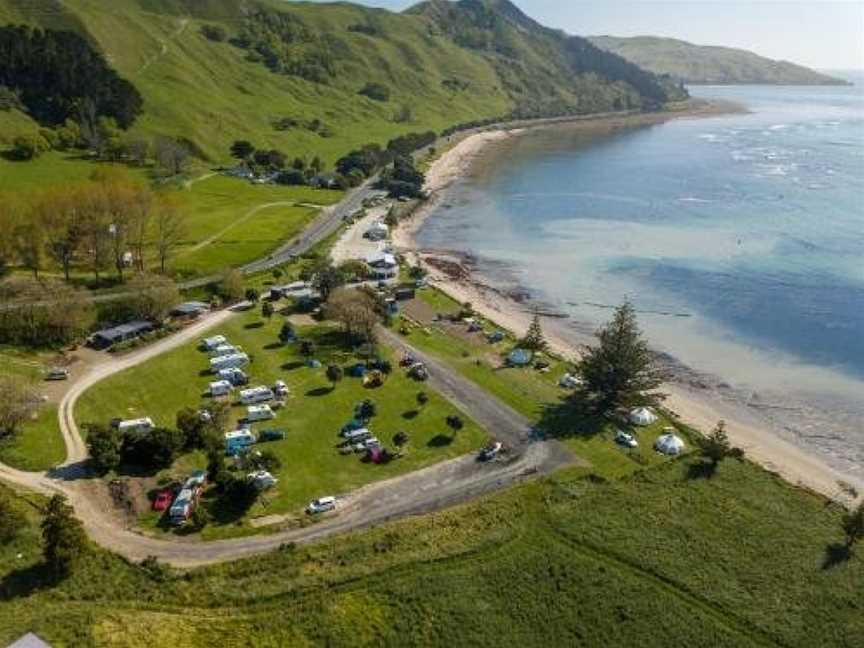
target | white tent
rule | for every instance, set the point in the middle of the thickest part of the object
(642, 416)
(669, 444)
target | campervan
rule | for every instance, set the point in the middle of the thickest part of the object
(233, 361)
(259, 413)
(136, 425)
(254, 395)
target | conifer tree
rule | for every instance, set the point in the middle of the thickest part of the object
(621, 370)
(63, 537)
(534, 340)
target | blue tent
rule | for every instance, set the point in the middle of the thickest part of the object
(358, 371)
(314, 364)
(519, 358)
(352, 425)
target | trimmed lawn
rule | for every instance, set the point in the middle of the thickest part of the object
(312, 418)
(38, 445)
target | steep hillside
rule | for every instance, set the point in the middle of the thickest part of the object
(289, 75)
(710, 65)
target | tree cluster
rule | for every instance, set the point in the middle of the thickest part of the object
(356, 311)
(57, 74)
(19, 399)
(97, 224)
(534, 339)
(43, 312)
(403, 179)
(63, 540)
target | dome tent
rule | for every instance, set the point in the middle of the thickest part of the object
(642, 416)
(668, 443)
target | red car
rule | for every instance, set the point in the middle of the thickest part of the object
(162, 500)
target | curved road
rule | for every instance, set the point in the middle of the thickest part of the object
(430, 489)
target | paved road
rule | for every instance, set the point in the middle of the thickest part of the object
(430, 489)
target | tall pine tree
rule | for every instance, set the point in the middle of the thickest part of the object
(63, 538)
(621, 370)
(534, 340)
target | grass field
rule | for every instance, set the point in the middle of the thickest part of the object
(656, 559)
(312, 418)
(231, 221)
(38, 445)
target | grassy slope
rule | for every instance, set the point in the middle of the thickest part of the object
(208, 93)
(313, 416)
(705, 64)
(653, 560)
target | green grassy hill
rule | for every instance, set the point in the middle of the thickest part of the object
(307, 62)
(710, 65)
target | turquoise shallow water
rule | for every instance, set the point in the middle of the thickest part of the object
(740, 238)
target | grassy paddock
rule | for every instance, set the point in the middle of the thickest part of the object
(655, 559)
(38, 445)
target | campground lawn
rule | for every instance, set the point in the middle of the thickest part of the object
(312, 418)
(534, 394)
(38, 445)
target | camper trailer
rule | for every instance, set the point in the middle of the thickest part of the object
(233, 361)
(183, 506)
(220, 388)
(238, 440)
(212, 342)
(222, 350)
(234, 376)
(136, 425)
(254, 395)
(259, 413)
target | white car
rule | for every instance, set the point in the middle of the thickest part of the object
(626, 439)
(321, 505)
(491, 451)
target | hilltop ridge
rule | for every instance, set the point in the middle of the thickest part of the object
(708, 64)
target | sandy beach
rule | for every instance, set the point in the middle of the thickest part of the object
(699, 407)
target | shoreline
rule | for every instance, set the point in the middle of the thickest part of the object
(702, 410)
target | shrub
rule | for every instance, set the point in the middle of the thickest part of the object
(214, 33)
(375, 91)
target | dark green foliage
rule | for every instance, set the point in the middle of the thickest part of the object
(621, 370)
(326, 279)
(265, 460)
(853, 525)
(192, 427)
(407, 144)
(716, 447)
(286, 333)
(422, 398)
(403, 179)
(307, 348)
(366, 411)
(104, 443)
(242, 149)
(365, 28)
(9, 100)
(455, 423)
(375, 91)
(292, 177)
(152, 450)
(334, 374)
(534, 340)
(366, 160)
(252, 294)
(214, 33)
(283, 43)
(58, 75)
(63, 538)
(267, 310)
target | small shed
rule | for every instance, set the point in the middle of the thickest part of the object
(520, 358)
(106, 338)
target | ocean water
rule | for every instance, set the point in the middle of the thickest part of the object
(739, 239)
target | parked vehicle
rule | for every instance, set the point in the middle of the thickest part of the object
(235, 376)
(162, 500)
(255, 395)
(271, 435)
(183, 506)
(57, 373)
(491, 451)
(233, 361)
(239, 440)
(220, 388)
(136, 425)
(321, 505)
(626, 439)
(259, 413)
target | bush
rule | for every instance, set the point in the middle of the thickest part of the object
(214, 33)
(28, 147)
(154, 449)
(376, 92)
(291, 177)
